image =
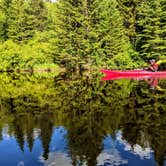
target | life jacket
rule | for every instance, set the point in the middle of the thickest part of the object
(154, 67)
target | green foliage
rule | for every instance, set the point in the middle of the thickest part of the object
(24, 20)
(129, 11)
(81, 34)
(30, 33)
(88, 108)
(151, 33)
(37, 15)
(17, 21)
(15, 56)
(87, 31)
(5, 13)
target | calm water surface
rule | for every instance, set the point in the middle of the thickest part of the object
(79, 120)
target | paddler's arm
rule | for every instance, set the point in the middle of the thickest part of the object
(161, 61)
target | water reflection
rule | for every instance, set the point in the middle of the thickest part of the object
(115, 151)
(79, 120)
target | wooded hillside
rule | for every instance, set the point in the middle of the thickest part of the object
(104, 33)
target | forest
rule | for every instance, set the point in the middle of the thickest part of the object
(46, 34)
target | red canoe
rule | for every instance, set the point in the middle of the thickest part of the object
(132, 74)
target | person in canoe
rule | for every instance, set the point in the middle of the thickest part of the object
(153, 66)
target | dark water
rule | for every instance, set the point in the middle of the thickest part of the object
(80, 120)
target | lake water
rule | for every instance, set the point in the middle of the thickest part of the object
(79, 120)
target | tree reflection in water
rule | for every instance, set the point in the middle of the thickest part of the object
(89, 109)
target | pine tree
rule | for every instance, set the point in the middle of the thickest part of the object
(151, 42)
(110, 29)
(128, 9)
(37, 15)
(87, 29)
(17, 21)
(4, 14)
(25, 19)
(71, 32)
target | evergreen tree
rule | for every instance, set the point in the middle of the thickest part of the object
(19, 134)
(151, 41)
(89, 29)
(71, 32)
(46, 134)
(25, 19)
(29, 132)
(4, 14)
(128, 9)
(110, 31)
(17, 21)
(37, 15)
(21, 19)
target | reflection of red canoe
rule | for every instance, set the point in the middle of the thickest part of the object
(131, 74)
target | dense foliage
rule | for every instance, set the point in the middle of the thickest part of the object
(76, 33)
(88, 108)
(151, 29)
